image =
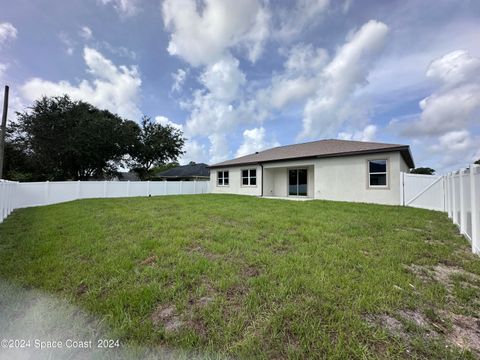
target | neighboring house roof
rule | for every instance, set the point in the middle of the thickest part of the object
(196, 170)
(319, 149)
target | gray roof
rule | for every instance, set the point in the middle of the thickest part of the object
(319, 149)
(195, 170)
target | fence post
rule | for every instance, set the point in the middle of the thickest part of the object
(194, 186)
(463, 215)
(402, 188)
(181, 187)
(128, 188)
(148, 188)
(165, 187)
(46, 191)
(454, 200)
(475, 210)
(105, 188)
(78, 189)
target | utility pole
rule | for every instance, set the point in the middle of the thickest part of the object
(3, 130)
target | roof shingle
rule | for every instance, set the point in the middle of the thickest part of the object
(321, 148)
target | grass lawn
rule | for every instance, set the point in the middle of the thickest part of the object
(248, 277)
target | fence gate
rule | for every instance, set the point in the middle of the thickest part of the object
(423, 191)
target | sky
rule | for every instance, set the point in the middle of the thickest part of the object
(241, 76)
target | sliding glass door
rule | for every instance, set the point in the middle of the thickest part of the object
(297, 182)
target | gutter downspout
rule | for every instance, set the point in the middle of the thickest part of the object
(262, 180)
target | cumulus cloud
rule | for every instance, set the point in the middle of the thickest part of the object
(299, 80)
(348, 70)
(7, 32)
(124, 8)
(163, 120)
(457, 148)
(456, 101)
(201, 33)
(254, 140)
(366, 134)
(112, 87)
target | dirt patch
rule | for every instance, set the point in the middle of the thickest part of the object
(443, 273)
(387, 322)
(150, 260)
(465, 332)
(168, 317)
(250, 271)
(199, 250)
(81, 289)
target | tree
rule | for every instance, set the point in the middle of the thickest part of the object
(423, 170)
(156, 145)
(73, 140)
(477, 162)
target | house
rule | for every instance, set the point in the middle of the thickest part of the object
(339, 170)
(186, 172)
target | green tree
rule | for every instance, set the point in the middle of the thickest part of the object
(72, 140)
(156, 145)
(477, 162)
(423, 170)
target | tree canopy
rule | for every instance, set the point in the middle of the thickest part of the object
(477, 162)
(61, 139)
(423, 170)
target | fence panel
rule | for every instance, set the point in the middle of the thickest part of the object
(19, 195)
(8, 190)
(423, 191)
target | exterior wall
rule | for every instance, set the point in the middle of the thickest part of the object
(346, 179)
(235, 181)
(337, 178)
(277, 175)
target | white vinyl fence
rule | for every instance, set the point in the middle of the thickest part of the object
(457, 193)
(15, 195)
(8, 191)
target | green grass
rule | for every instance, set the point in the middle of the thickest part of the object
(280, 278)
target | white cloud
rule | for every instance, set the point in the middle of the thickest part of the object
(194, 151)
(455, 103)
(86, 33)
(303, 14)
(224, 78)
(299, 80)
(201, 33)
(219, 150)
(163, 120)
(7, 32)
(124, 8)
(254, 140)
(179, 78)
(367, 134)
(348, 70)
(112, 87)
(458, 148)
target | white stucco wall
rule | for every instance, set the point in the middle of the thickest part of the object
(235, 181)
(346, 179)
(336, 178)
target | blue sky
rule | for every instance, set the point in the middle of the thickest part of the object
(240, 76)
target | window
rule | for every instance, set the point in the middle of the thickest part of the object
(249, 177)
(377, 173)
(222, 178)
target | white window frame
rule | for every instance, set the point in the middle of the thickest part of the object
(386, 173)
(221, 179)
(249, 177)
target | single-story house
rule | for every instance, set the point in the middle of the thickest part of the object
(339, 170)
(188, 172)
